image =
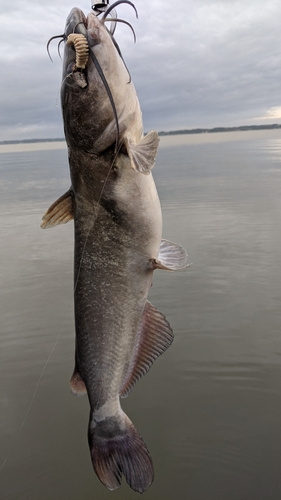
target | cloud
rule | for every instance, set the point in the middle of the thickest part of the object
(271, 114)
(200, 64)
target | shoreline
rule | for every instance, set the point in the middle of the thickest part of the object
(23, 147)
(165, 140)
(247, 135)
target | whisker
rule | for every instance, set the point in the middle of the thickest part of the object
(59, 47)
(124, 22)
(115, 5)
(100, 72)
(120, 54)
(48, 44)
(113, 15)
(81, 22)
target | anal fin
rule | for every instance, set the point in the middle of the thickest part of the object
(60, 212)
(154, 336)
(172, 257)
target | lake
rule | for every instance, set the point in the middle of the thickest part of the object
(210, 408)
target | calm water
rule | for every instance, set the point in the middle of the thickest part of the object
(210, 408)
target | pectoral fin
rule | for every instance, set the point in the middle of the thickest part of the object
(60, 212)
(154, 336)
(143, 154)
(172, 257)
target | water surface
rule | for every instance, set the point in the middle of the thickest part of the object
(210, 408)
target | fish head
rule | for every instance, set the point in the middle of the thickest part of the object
(99, 102)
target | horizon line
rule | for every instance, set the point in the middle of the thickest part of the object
(161, 133)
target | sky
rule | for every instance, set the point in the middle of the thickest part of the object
(196, 63)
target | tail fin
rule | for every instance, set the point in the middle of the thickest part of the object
(117, 448)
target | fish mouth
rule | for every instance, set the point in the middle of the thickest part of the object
(93, 28)
(76, 22)
(88, 26)
(87, 68)
(86, 31)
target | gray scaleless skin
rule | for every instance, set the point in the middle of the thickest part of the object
(118, 227)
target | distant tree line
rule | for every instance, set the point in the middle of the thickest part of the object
(28, 141)
(171, 132)
(220, 129)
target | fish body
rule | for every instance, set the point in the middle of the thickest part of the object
(92, 128)
(118, 227)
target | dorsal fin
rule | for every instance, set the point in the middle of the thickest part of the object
(60, 212)
(143, 154)
(172, 257)
(154, 336)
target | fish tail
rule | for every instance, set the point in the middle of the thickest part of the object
(117, 448)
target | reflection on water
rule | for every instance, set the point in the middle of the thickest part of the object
(210, 408)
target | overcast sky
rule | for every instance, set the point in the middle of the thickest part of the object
(196, 63)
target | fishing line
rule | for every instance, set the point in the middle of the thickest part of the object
(36, 389)
(63, 324)
(69, 74)
(58, 94)
(116, 152)
(104, 81)
(92, 225)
